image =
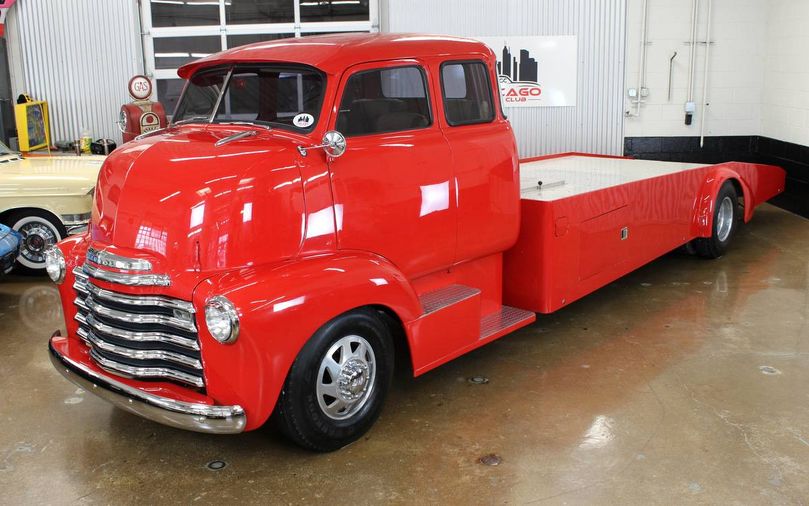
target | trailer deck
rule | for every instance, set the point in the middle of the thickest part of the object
(594, 219)
(572, 175)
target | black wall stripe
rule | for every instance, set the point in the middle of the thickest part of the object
(794, 158)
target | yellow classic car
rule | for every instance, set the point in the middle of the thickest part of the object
(45, 199)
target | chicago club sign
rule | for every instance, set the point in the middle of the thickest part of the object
(538, 71)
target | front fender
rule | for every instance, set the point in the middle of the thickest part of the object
(280, 306)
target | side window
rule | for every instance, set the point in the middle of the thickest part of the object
(467, 93)
(384, 100)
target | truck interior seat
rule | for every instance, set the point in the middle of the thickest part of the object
(401, 121)
(463, 108)
(363, 113)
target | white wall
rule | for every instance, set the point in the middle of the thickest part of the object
(736, 71)
(77, 56)
(785, 98)
(595, 123)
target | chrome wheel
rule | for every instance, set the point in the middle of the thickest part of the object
(38, 235)
(724, 219)
(345, 379)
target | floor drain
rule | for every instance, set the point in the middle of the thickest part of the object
(490, 460)
(766, 369)
(216, 465)
(478, 380)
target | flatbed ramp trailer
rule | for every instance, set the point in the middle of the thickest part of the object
(588, 220)
(585, 221)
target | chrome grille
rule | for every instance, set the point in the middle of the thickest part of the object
(138, 336)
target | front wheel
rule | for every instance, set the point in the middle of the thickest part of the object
(337, 385)
(726, 220)
(39, 231)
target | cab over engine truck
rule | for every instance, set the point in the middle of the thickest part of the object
(316, 200)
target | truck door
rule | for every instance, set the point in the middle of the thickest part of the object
(485, 161)
(393, 188)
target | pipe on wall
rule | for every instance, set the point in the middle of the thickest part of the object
(692, 62)
(705, 76)
(642, 67)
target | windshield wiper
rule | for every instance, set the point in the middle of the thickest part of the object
(189, 120)
(235, 137)
(247, 123)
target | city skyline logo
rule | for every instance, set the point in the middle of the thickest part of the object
(518, 77)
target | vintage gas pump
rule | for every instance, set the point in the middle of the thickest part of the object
(142, 115)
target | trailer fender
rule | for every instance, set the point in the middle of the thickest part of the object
(280, 307)
(702, 223)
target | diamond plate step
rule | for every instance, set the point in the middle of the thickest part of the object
(506, 320)
(447, 296)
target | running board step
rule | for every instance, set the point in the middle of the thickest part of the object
(447, 296)
(507, 319)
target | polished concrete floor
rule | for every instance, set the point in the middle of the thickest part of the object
(685, 382)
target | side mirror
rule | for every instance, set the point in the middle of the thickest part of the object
(333, 143)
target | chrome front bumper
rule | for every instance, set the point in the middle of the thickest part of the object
(184, 415)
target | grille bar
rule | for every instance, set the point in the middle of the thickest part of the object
(96, 308)
(141, 337)
(136, 354)
(127, 279)
(145, 372)
(138, 336)
(86, 287)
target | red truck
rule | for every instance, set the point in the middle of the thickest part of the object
(321, 208)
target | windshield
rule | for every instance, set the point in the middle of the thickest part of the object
(286, 97)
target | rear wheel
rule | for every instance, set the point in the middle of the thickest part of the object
(40, 230)
(336, 387)
(726, 220)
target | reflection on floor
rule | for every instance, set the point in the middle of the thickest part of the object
(685, 381)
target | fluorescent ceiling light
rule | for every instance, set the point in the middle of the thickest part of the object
(189, 2)
(330, 2)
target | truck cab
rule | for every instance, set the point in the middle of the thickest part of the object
(239, 265)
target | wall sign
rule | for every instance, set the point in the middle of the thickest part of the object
(140, 88)
(537, 71)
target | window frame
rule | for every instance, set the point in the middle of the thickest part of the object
(444, 93)
(394, 65)
(223, 29)
(232, 68)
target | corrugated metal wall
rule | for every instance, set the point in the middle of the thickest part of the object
(79, 56)
(596, 123)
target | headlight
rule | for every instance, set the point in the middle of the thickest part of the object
(222, 319)
(55, 264)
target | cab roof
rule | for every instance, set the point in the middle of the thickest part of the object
(335, 52)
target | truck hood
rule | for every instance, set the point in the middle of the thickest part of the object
(48, 176)
(192, 206)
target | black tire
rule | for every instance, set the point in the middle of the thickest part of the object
(48, 231)
(721, 236)
(300, 414)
